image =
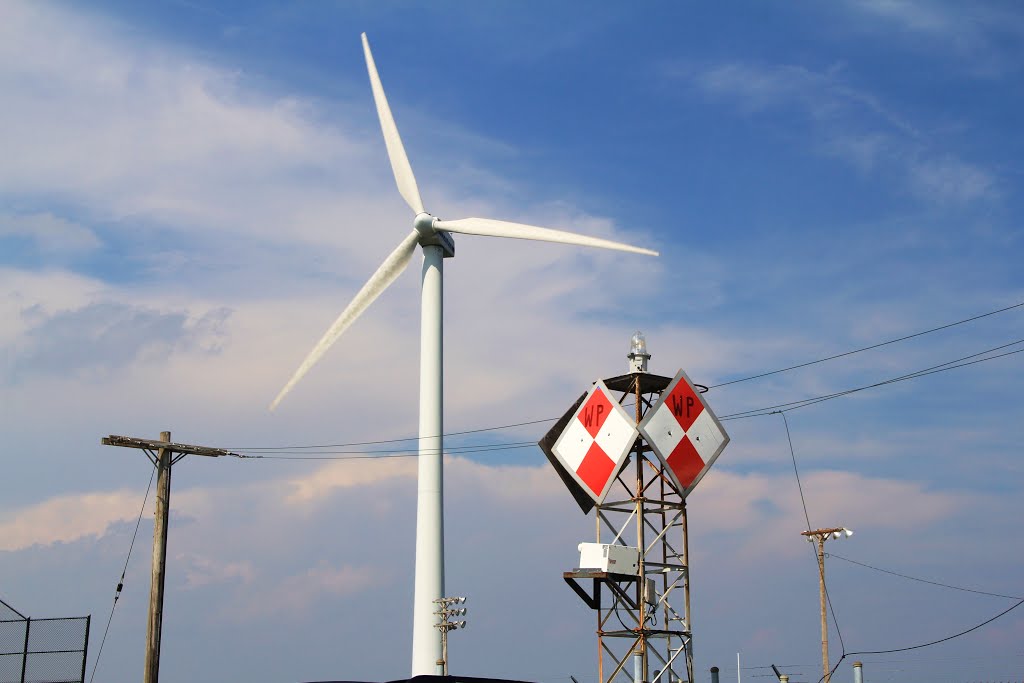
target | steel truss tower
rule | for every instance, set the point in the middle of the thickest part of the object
(644, 631)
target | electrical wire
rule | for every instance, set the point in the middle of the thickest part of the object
(796, 472)
(384, 441)
(378, 455)
(942, 367)
(754, 412)
(120, 583)
(286, 452)
(867, 348)
(914, 578)
(406, 451)
(940, 640)
(922, 645)
(807, 518)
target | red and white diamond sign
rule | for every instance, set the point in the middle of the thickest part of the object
(596, 441)
(684, 433)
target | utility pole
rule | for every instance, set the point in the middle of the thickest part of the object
(822, 535)
(163, 454)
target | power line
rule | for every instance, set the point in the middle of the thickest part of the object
(941, 640)
(796, 472)
(922, 645)
(934, 583)
(401, 451)
(120, 583)
(867, 348)
(384, 441)
(942, 367)
(755, 412)
(283, 452)
(807, 518)
(378, 455)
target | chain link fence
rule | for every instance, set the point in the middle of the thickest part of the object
(42, 650)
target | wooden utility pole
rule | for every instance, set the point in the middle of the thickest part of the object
(821, 535)
(163, 454)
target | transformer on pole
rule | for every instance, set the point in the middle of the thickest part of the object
(636, 575)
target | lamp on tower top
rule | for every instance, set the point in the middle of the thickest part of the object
(638, 355)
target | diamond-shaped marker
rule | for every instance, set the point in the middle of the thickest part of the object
(594, 444)
(684, 433)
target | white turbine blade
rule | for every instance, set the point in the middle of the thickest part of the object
(404, 178)
(392, 267)
(493, 228)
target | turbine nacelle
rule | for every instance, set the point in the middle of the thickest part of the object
(430, 236)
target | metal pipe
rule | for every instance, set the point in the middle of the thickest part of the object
(858, 672)
(429, 583)
(686, 593)
(714, 674)
(640, 659)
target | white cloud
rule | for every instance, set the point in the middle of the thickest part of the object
(137, 132)
(328, 479)
(260, 208)
(730, 501)
(63, 519)
(250, 555)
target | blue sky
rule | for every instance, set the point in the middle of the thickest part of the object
(190, 192)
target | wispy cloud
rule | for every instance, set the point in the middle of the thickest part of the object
(852, 125)
(971, 33)
(950, 178)
(822, 95)
(927, 17)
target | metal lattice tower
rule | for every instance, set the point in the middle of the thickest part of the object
(644, 630)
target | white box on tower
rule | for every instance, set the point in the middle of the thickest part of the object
(616, 559)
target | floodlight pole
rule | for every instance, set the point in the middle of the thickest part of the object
(163, 454)
(820, 535)
(445, 624)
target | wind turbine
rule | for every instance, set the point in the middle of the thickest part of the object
(433, 236)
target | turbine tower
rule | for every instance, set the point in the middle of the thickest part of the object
(433, 236)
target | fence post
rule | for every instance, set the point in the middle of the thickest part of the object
(24, 655)
(85, 647)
